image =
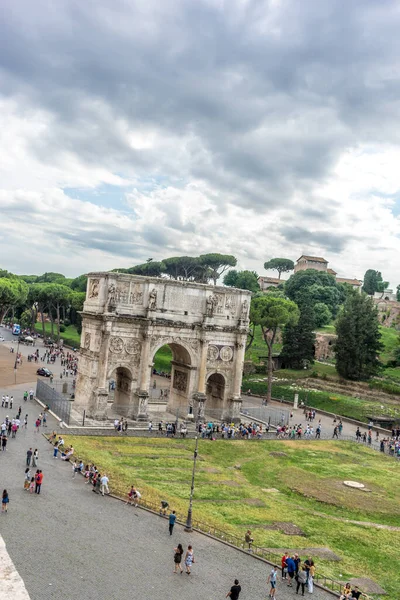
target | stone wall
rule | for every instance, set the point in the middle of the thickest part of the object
(388, 312)
(324, 346)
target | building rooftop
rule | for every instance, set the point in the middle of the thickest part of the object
(331, 272)
(349, 281)
(272, 279)
(313, 258)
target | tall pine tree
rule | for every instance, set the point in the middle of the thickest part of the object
(299, 340)
(358, 338)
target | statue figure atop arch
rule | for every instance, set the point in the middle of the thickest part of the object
(127, 318)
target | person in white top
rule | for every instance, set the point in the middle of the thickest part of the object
(104, 485)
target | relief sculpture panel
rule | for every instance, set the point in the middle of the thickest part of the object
(180, 381)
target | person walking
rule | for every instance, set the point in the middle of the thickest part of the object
(235, 590)
(178, 552)
(4, 442)
(291, 568)
(29, 457)
(284, 566)
(272, 581)
(171, 522)
(27, 478)
(301, 580)
(310, 581)
(38, 480)
(189, 559)
(55, 451)
(4, 501)
(104, 485)
(35, 457)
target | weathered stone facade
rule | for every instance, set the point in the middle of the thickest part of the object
(388, 312)
(325, 346)
(127, 318)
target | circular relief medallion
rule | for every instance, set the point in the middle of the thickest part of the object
(116, 345)
(226, 353)
(132, 346)
(212, 352)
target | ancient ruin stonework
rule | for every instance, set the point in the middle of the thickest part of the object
(325, 346)
(127, 318)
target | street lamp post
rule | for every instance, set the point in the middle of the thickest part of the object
(188, 527)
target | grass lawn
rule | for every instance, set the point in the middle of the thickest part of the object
(70, 335)
(390, 340)
(259, 347)
(231, 493)
(162, 359)
(317, 367)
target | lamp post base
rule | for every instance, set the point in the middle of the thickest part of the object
(188, 526)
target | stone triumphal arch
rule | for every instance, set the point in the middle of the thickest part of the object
(127, 318)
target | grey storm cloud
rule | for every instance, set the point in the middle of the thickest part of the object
(333, 242)
(263, 95)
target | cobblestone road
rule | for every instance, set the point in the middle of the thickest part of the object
(69, 543)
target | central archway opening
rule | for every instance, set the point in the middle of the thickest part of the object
(171, 379)
(215, 393)
(121, 382)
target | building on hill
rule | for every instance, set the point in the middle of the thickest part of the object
(386, 295)
(320, 264)
(310, 262)
(268, 282)
(356, 284)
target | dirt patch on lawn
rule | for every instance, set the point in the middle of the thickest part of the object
(253, 502)
(286, 528)
(277, 454)
(332, 491)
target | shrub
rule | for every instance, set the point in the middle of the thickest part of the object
(62, 328)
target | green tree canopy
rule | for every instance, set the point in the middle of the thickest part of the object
(79, 284)
(217, 264)
(322, 314)
(311, 286)
(358, 339)
(184, 268)
(149, 269)
(299, 340)
(373, 282)
(244, 280)
(282, 265)
(272, 314)
(50, 277)
(13, 293)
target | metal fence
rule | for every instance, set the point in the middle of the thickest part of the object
(267, 414)
(57, 403)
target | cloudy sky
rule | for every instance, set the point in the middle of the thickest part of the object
(132, 129)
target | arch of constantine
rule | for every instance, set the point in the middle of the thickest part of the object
(127, 318)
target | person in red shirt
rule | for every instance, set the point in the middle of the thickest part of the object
(38, 481)
(283, 565)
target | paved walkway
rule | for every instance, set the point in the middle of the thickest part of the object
(70, 543)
